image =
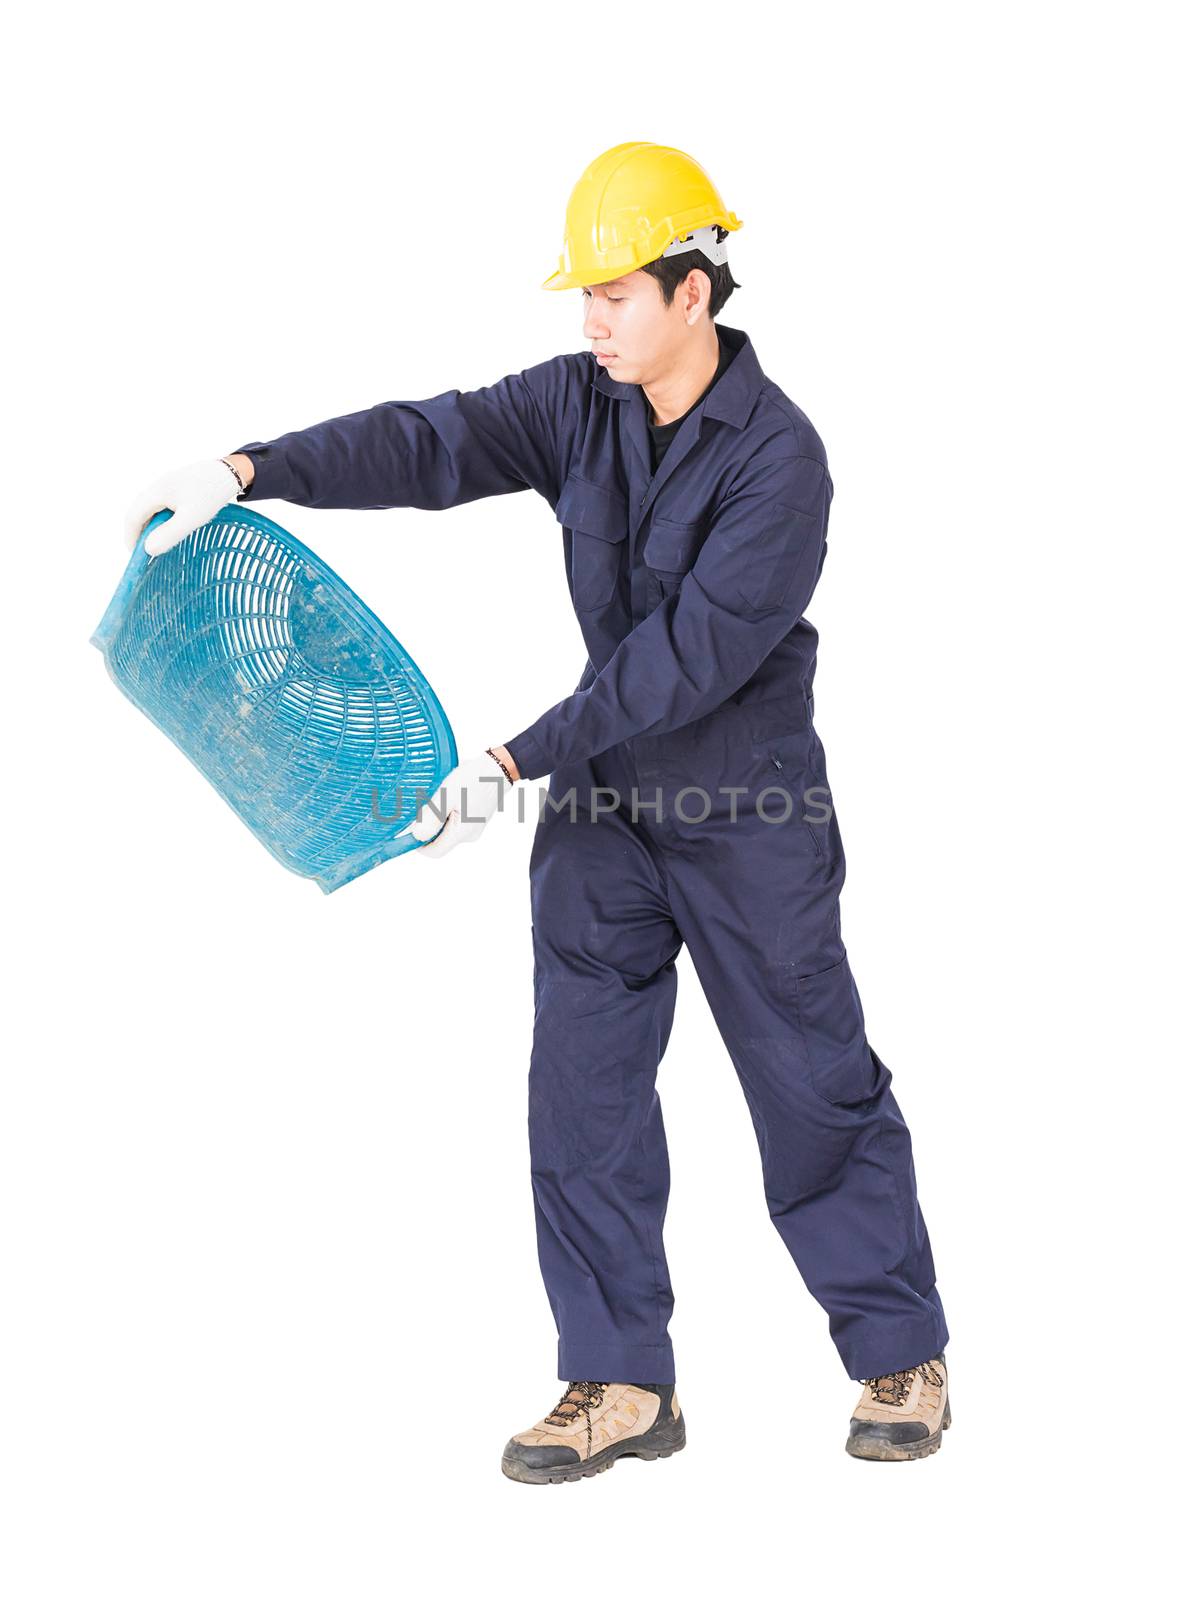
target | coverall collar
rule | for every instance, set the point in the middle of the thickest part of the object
(733, 396)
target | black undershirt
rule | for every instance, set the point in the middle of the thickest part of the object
(661, 436)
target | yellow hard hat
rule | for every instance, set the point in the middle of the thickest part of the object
(636, 202)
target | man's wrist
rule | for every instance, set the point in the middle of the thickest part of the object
(505, 760)
(242, 467)
(531, 760)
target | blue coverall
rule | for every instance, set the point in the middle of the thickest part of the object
(690, 586)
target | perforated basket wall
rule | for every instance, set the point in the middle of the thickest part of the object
(286, 691)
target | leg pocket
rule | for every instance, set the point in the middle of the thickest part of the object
(841, 1064)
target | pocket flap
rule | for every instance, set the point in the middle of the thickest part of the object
(591, 508)
(781, 714)
(672, 546)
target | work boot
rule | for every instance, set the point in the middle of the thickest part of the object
(901, 1416)
(591, 1426)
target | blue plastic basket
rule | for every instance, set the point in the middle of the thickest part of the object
(291, 697)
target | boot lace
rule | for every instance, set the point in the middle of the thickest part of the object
(893, 1388)
(578, 1397)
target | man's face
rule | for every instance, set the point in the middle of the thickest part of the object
(628, 319)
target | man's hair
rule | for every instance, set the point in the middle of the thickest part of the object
(669, 271)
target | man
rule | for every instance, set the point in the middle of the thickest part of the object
(688, 803)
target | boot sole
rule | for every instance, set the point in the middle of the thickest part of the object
(651, 1446)
(865, 1447)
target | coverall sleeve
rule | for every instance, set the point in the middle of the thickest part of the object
(751, 583)
(431, 454)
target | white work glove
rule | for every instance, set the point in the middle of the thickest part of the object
(194, 493)
(466, 801)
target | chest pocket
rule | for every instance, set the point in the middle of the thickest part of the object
(597, 519)
(670, 549)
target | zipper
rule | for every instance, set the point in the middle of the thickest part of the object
(814, 839)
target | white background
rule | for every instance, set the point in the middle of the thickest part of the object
(271, 1298)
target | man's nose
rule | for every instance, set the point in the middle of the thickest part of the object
(594, 326)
